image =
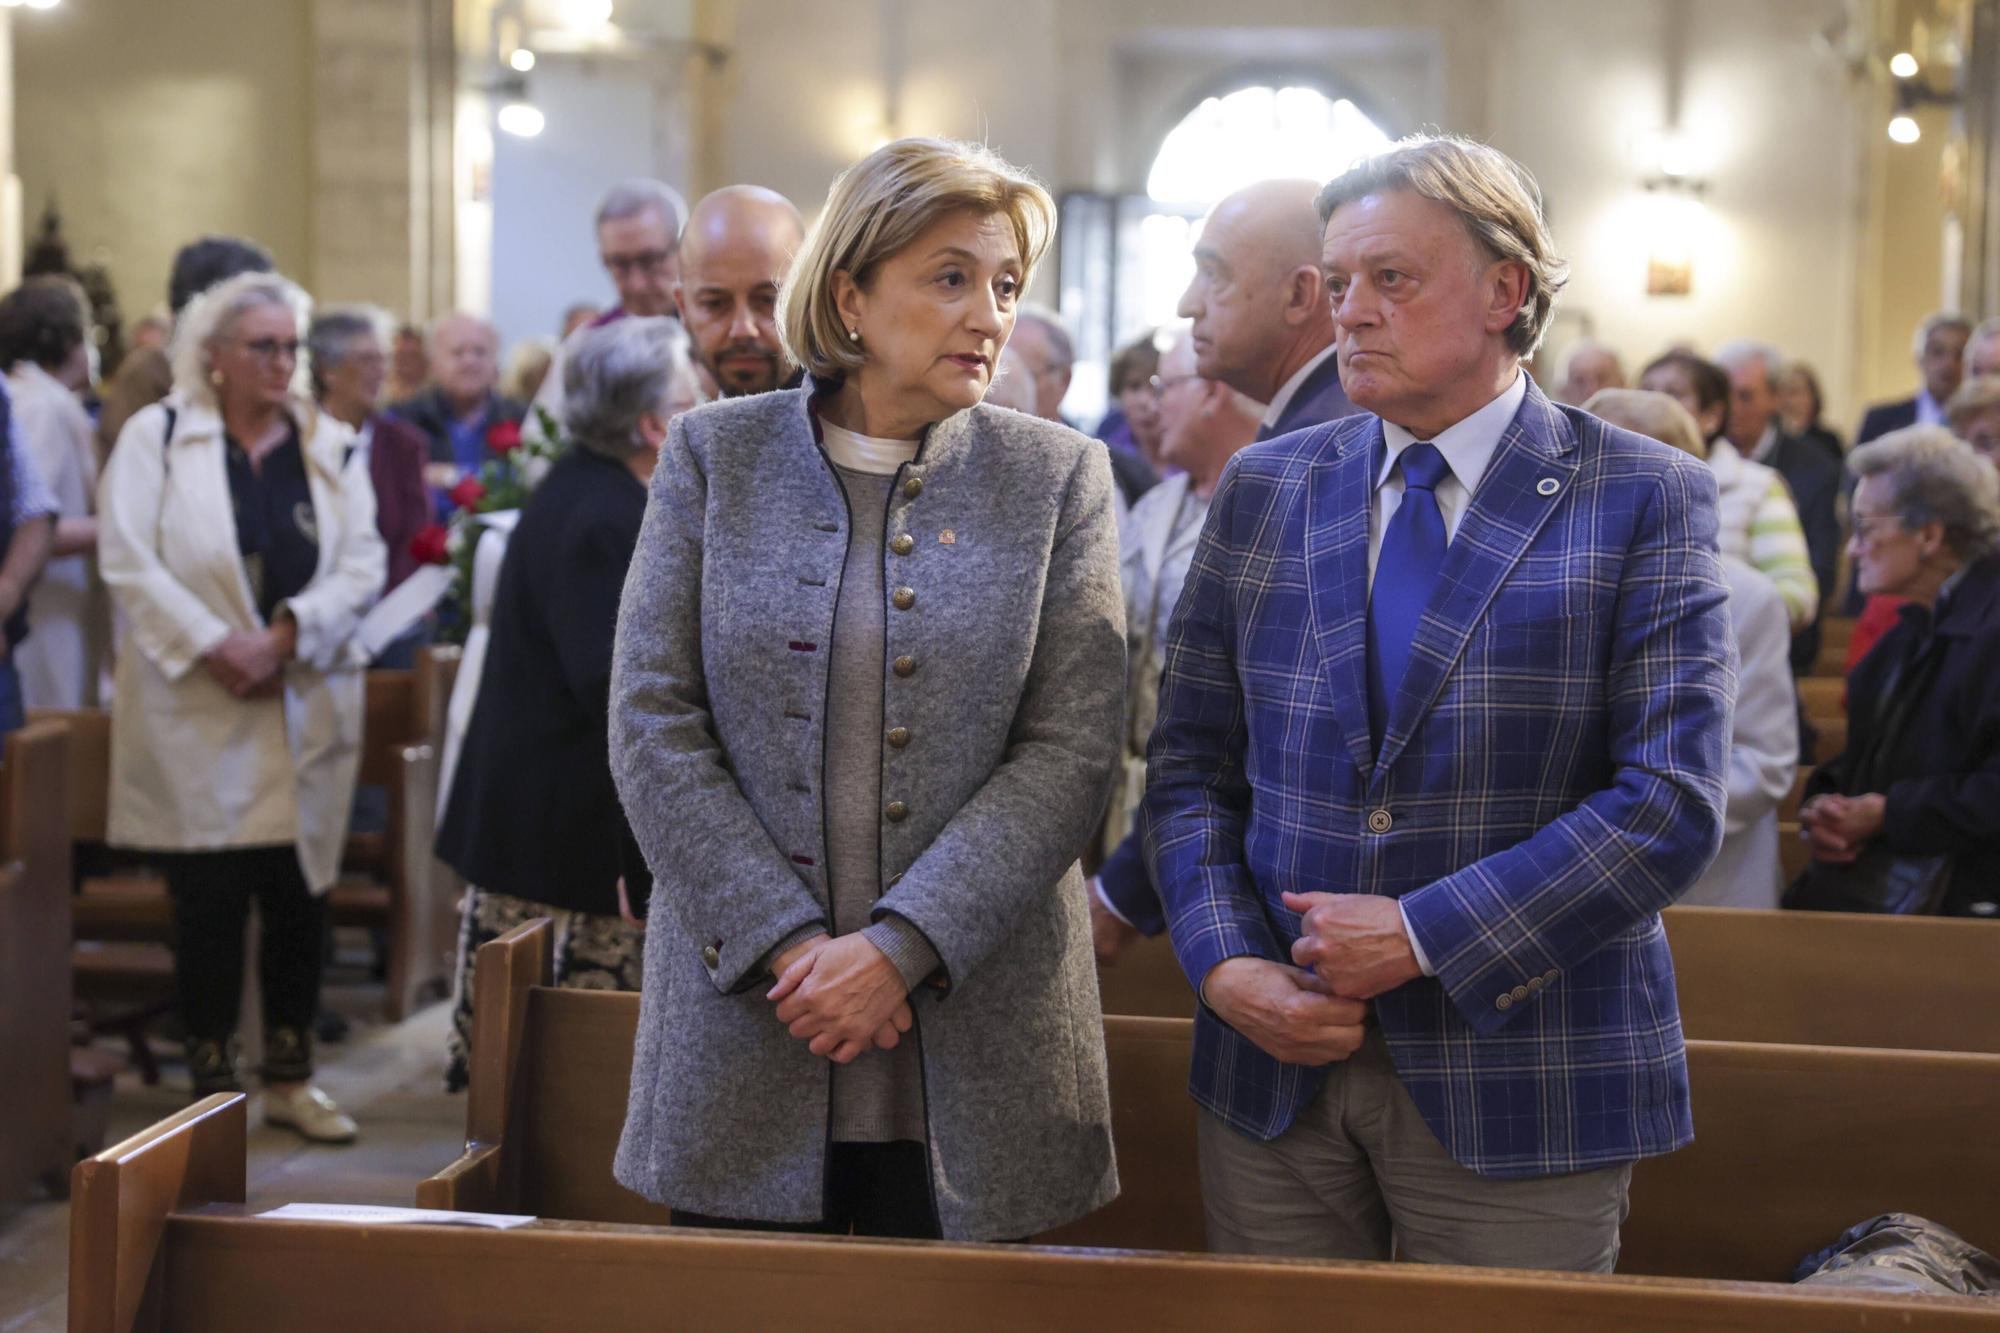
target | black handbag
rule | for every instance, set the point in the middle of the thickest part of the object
(1879, 881)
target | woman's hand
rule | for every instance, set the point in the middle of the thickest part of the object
(1838, 828)
(841, 997)
(249, 663)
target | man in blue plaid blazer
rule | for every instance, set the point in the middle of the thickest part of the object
(1444, 726)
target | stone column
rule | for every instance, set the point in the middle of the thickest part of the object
(381, 95)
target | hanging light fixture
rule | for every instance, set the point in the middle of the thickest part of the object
(1904, 129)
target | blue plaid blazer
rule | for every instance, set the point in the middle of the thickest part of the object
(1552, 775)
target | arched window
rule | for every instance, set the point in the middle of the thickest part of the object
(1127, 259)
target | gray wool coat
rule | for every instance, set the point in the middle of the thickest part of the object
(1007, 675)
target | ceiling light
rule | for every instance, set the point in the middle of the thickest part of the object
(1903, 129)
(522, 119)
(1903, 65)
(523, 59)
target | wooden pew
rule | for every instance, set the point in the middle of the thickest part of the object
(1824, 697)
(424, 921)
(160, 1240)
(36, 1138)
(1795, 1143)
(1836, 632)
(1804, 978)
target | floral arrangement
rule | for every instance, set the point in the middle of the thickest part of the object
(515, 465)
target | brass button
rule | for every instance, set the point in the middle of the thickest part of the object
(1380, 821)
(904, 598)
(913, 488)
(898, 737)
(906, 666)
(1535, 985)
(1504, 1003)
(904, 544)
(897, 812)
(710, 958)
(1551, 975)
(1520, 994)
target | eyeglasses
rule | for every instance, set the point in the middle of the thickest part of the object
(1865, 525)
(646, 261)
(272, 349)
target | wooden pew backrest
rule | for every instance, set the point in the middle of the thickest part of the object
(230, 1273)
(121, 1198)
(1837, 979)
(89, 768)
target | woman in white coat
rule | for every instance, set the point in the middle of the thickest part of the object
(237, 535)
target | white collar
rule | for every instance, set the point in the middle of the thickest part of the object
(1467, 445)
(1282, 399)
(864, 453)
(1724, 461)
(1766, 443)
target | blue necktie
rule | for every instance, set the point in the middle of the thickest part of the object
(1406, 570)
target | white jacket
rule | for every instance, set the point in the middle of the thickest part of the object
(193, 767)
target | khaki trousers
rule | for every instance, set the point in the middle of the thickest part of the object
(1360, 1175)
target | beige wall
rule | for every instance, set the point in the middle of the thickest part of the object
(1082, 93)
(154, 122)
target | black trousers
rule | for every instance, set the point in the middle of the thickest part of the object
(872, 1189)
(211, 893)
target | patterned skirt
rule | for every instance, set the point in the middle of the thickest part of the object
(593, 952)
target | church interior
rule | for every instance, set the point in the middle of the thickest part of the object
(1797, 199)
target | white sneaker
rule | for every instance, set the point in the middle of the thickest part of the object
(310, 1112)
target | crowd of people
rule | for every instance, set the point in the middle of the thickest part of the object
(1402, 695)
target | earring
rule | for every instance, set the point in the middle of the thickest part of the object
(854, 335)
(215, 378)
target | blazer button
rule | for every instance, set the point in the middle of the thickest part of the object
(1535, 985)
(897, 812)
(903, 544)
(1552, 975)
(913, 488)
(906, 666)
(1504, 1003)
(1520, 994)
(898, 737)
(904, 598)
(710, 958)
(1380, 821)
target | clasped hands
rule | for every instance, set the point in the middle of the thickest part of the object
(840, 996)
(1351, 948)
(250, 664)
(1838, 828)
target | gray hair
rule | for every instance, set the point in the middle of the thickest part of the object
(1944, 319)
(1742, 351)
(333, 329)
(1493, 195)
(1978, 395)
(1985, 328)
(211, 315)
(630, 198)
(1051, 323)
(616, 374)
(1935, 477)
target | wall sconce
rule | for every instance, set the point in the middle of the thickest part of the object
(1675, 215)
(1911, 93)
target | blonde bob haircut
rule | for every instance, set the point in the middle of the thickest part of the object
(1651, 414)
(875, 209)
(1493, 195)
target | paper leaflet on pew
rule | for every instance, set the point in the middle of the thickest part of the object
(371, 1215)
(404, 605)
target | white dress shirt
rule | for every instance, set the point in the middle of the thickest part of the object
(1289, 390)
(1468, 449)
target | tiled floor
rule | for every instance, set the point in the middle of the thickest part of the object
(389, 1078)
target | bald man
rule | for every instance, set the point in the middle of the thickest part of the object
(1262, 323)
(1589, 367)
(463, 402)
(738, 243)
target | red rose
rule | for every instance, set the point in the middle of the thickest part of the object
(429, 547)
(503, 437)
(467, 493)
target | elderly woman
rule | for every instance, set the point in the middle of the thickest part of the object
(44, 346)
(1802, 409)
(1136, 399)
(1759, 522)
(237, 536)
(1764, 728)
(533, 820)
(865, 713)
(1907, 819)
(349, 347)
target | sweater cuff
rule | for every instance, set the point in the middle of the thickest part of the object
(905, 947)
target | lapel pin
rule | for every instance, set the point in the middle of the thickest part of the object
(947, 538)
(1547, 486)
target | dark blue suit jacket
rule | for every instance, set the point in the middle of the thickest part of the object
(1552, 775)
(1319, 400)
(1882, 418)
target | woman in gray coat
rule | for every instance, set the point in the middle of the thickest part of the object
(865, 710)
